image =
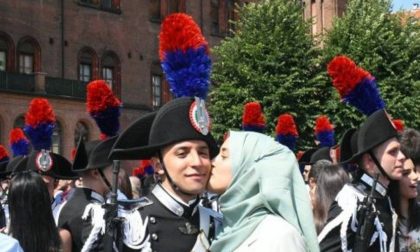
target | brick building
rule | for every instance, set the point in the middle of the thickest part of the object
(52, 48)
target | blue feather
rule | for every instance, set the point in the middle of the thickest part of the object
(326, 138)
(41, 136)
(188, 73)
(287, 140)
(149, 170)
(254, 128)
(107, 120)
(21, 147)
(365, 97)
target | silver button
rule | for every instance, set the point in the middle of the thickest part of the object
(179, 211)
(152, 220)
(154, 237)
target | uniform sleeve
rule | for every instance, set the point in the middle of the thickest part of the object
(332, 241)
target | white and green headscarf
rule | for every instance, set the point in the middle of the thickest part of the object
(266, 180)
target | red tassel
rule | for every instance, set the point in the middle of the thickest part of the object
(40, 111)
(345, 74)
(323, 124)
(100, 97)
(286, 125)
(15, 135)
(179, 32)
(73, 153)
(253, 114)
(399, 125)
(3, 152)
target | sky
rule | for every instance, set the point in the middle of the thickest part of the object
(403, 4)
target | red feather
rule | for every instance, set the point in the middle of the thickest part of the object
(286, 125)
(73, 153)
(3, 152)
(322, 124)
(141, 170)
(399, 125)
(16, 134)
(40, 111)
(100, 97)
(299, 155)
(179, 32)
(345, 74)
(253, 114)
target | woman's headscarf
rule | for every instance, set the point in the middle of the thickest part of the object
(266, 180)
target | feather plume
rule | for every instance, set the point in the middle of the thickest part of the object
(184, 57)
(355, 85)
(399, 125)
(144, 169)
(253, 118)
(324, 131)
(104, 107)
(4, 155)
(286, 131)
(40, 123)
(18, 142)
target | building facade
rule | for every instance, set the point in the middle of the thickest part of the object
(53, 48)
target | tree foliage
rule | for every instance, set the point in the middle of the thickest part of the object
(272, 59)
(388, 46)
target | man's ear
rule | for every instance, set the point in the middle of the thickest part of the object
(367, 162)
(312, 182)
(157, 165)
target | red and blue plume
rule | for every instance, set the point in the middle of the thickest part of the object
(40, 123)
(18, 142)
(4, 156)
(184, 56)
(286, 131)
(324, 131)
(399, 125)
(355, 85)
(144, 169)
(104, 108)
(253, 118)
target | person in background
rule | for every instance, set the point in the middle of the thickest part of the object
(330, 180)
(31, 218)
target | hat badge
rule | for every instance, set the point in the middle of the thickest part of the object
(44, 161)
(199, 117)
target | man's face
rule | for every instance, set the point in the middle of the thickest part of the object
(306, 171)
(391, 158)
(188, 164)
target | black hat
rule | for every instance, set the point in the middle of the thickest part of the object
(3, 169)
(18, 161)
(377, 129)
(93, 154)
(179, 120)
(322, 153)
(45, 163)
(348, 145)
(306, 157)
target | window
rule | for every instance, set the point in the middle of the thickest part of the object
(26, 63)
(56, 139)
(158, 9)
(85, 72)
(111, 71)
(29, 56)
(106, 5)
(82, 131)
(87, 65)
(221, 12)
(6, 52)
(19, 122)
(156, 90)
(3, 60)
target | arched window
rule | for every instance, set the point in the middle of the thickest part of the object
(29, 55)
(111, 71)
(6, 52)
(81, 131)
(56, 138)
(88, 64)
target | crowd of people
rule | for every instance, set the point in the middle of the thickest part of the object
(249, 192)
